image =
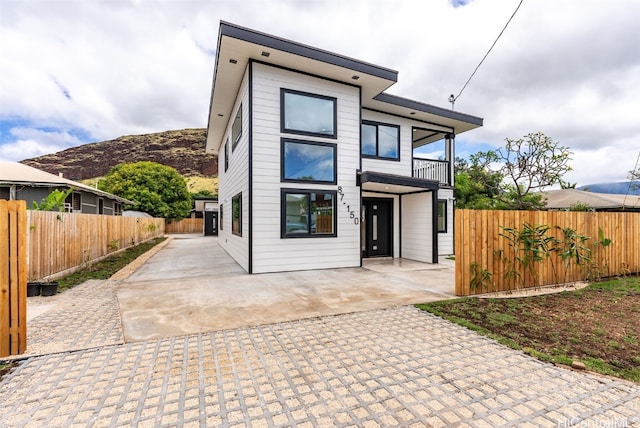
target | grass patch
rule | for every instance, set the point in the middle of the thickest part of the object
(105, 268)
(596, 324)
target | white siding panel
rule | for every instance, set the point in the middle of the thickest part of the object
(236, 180)
(417, 227)
(445, 240)
(270, 252)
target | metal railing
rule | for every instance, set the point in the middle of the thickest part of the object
(428, 169)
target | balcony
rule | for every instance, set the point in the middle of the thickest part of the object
(434, 170)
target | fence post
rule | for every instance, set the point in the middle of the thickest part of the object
(13, 277)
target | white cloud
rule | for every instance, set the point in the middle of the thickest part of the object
(115, 68)
(33, 142)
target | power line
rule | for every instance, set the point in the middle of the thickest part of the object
(624, 201)
(452, 99)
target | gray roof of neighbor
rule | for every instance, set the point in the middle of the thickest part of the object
(14, 173)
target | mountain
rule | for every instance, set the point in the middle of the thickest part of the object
(618, 188)
(180, 149)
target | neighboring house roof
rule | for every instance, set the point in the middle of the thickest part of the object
(138, 214)
(238, 45)
(14, 173)
(565, 198)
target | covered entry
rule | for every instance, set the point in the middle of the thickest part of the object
(399, 217)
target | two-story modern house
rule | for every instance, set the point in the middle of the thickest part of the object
(316, 161)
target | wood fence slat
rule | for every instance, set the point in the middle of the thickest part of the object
(4, 280)
(478, 240)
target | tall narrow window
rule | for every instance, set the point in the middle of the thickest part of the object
(308, 114)
(442, 216)
(308, 213)
(221, 217)
(226, 155)
(307, 161)
(236, 214)
(236, 128)
(380, 140)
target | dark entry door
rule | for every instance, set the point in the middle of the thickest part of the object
(378, 215)
(210, 223)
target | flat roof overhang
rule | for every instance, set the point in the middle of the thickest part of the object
(238, 45)
(394, 184)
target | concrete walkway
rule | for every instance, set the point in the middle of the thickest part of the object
(373, 368)
(193, 286)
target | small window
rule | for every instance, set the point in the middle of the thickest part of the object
(306, 161)
(236, 128)
(308, 114)
(442, 216)
(236, 214)
(308, 213)
(380, 140)
(221, 217)
(226, 155)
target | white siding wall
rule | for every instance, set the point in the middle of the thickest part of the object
(271, 253)
(445, 240)
(236, 180)
(417, 227)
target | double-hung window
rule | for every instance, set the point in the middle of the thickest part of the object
(308, 213)
(308, 161)
(308, 114)
(380, 140)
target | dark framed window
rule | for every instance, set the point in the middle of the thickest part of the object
(442, 216)
(221, 216)
(236, 129)
(308, 114)
(236, 214)
(380, 140)
(75, 201)
(308, 161)
(308, 213)
(226, 155)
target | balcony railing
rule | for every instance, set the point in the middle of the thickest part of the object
(431, 170)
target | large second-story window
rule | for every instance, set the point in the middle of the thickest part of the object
(308, 114)
(380, 140)
(307, 161)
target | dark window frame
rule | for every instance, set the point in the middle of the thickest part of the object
(235, 137)
(377, 125)
(236, 230)
(309, 234)
(283, 141)
(221, 216)
(285, 130)
(442, 202)
(226, 155)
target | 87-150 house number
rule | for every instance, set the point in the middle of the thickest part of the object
(352, 215)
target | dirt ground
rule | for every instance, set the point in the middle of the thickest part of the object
(601, 321)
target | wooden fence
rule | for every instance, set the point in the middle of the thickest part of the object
(59, 243)
(13, 277)
(486, 261)
(187, 225)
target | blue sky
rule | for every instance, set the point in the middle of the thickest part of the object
(79, 71)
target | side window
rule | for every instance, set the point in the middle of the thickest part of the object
(236, 129)
(226, 155)
(308, 161)
(442, 216)
(221, 217)
(380, 140)
(236, 214)
(308, 213)
(308, 114)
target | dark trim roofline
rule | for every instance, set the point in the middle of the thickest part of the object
(428, 108)
(266, 40)
(398, 180)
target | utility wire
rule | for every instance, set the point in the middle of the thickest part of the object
(624, 201)
(452, 99)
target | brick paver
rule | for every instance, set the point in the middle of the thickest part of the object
(395, 367)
